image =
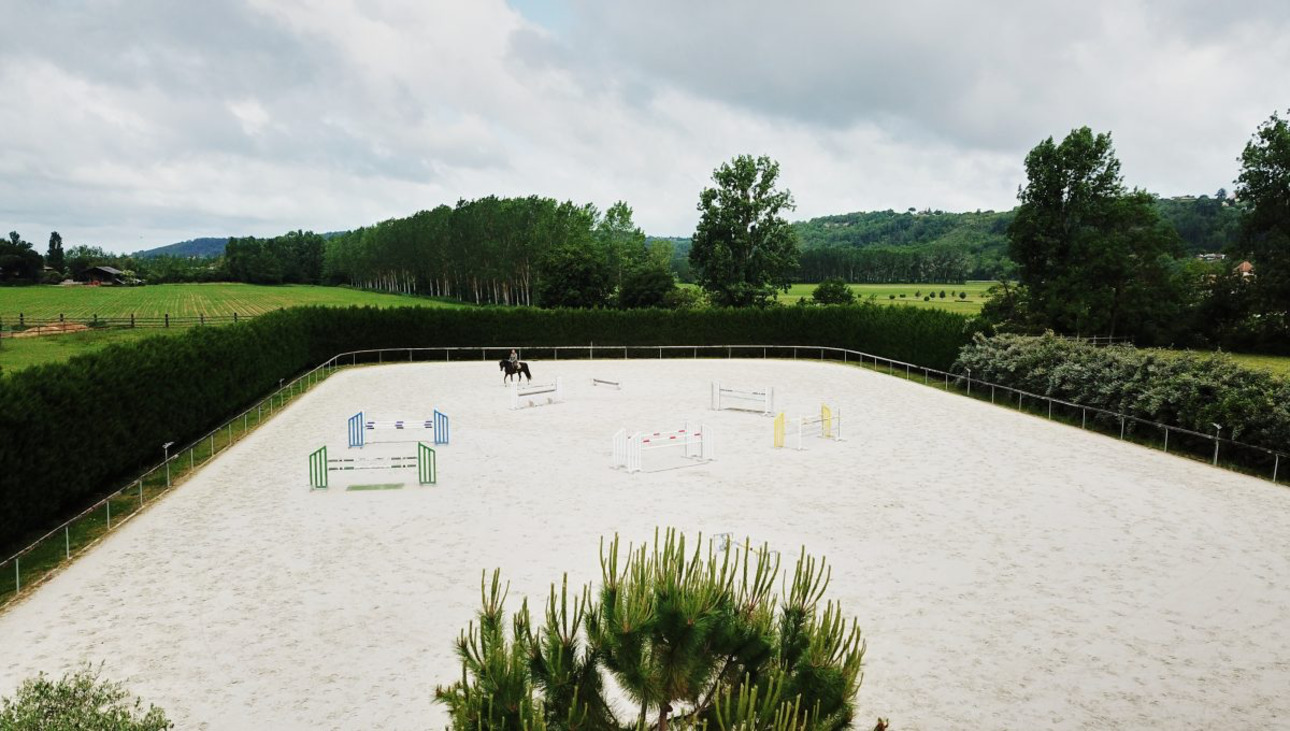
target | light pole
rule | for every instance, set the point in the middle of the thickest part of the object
(166, 449)
(1217, 429)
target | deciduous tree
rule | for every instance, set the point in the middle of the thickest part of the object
(743, 249)
(54, 257)
(1264, 188)
(1094, 257)
(18, 261)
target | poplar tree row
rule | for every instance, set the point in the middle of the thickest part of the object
(510, 251)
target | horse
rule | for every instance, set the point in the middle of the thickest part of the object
(520, 370)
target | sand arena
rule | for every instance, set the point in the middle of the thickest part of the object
(1008, 572)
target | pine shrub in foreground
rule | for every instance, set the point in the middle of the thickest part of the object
(695, 639)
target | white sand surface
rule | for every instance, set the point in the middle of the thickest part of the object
(1009, 573)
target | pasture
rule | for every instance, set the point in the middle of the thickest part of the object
(1008, 572)
(155, 301)
(913, 295)
(187, 300)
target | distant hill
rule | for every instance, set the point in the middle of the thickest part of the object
(908, 245)
(203, 247)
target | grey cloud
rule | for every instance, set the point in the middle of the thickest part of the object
(983, 74)
(186, 48)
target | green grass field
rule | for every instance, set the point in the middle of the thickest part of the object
(1275, 364)
(17, 353)
(187, 300)
(913, 294)
(177, 300)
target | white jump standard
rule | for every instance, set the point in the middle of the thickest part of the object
(359, 426)
(522, 396)
(698, 445)
(762, 402)
(423, 462)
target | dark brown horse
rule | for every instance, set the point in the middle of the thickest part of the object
(519, 370)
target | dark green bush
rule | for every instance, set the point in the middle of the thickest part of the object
(833, 292)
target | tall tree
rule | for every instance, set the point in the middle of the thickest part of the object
(1093, 257)
(622, 240)
(18, 261)
(743, 249)
(1264, 188)
(54, 257)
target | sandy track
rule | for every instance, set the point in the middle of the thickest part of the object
(1008, 572)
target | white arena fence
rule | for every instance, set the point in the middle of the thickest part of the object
(31, 564)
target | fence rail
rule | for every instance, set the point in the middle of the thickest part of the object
(31, 564)
(11, 326)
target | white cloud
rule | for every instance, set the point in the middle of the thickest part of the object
(156, 121)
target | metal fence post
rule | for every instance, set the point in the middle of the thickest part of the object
(108, 504)
(991, 393)
(1166, 440)
(17, 574)
(1121, 427)
(1276, 464)
(67, 540)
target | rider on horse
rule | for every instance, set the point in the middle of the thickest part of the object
(514, 359)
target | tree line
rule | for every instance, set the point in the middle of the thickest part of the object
(1095, 257)
(508, 251)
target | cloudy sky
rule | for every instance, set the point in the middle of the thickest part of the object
(136, 123)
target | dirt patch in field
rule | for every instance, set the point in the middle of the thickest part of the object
(53, 329)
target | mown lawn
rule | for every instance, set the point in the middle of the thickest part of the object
(186, 300)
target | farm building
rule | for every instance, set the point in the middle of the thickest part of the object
(104, 275)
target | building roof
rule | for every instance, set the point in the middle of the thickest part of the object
(108, 270)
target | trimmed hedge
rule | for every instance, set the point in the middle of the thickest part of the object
(1188, 391)
(72, 432)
